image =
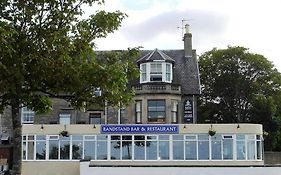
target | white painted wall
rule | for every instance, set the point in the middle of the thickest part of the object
(86, 170)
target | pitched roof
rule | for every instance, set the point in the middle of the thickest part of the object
(155, 55)
(186, 71)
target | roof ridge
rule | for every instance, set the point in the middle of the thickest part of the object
(143, 56)
(151, 53)
(163, 55)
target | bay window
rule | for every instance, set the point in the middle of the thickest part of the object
(143, 73)
(156, 111)
(156, 72)
(168, 72)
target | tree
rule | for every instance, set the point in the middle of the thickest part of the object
(239, 86)
(46, 50)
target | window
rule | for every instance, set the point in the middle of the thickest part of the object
(143, 73)
(190, 147)
(163, 147)
(77, 147)
(126, 146)
(216, 147)
(240, 147)
(95, 118)
(64, 148)
(40, 147)
(156, 111)
(28, 147)
(143, 147)
(259, 147)
(174, 106)
(53, 147)
(227, 147)
(138, 111)
(178, 147)
(115, 148)
(27, 116)
(64, 119)
(203, 147)
(168, 72)
(251, 147)
(101, 147)
(139, 147)
(89, 147)
(123, 116)
(151, 148)
(156, 72)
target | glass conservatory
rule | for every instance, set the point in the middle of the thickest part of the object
(143, 143)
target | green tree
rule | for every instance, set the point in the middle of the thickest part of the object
(46, 50)
(239, 86)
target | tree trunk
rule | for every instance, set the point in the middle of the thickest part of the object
(17, 138)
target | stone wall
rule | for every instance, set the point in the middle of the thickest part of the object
(272, 158)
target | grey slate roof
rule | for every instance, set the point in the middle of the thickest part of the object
(155, 55)
(185, 73)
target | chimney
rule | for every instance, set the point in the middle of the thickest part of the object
(187, 39)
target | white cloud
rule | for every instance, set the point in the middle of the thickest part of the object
(153, 24)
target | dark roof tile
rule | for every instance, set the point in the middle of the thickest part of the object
(155, 55)
(186, 71)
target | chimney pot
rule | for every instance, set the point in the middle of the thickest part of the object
(187, 39)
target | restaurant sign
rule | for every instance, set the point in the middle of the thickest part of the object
(188, 112)
(139, 129)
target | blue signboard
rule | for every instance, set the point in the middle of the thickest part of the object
(188, 112)
(139, 129)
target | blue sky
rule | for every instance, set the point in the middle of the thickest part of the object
(254, 24)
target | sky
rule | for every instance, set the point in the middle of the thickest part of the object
(213, 23)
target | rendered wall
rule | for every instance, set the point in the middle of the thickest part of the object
(50, 168)
(86, 170)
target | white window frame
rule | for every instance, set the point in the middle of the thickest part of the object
(232, 138)
(147, 67)
(32, 139)
(174, 111)
(168, 71)
(65, 116)
(143, 72)
(25, 110)
(138, 111)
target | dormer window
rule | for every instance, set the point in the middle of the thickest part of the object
(157, 71)
(168, 72)
(143, 73)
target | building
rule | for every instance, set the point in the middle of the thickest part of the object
(158, 129)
